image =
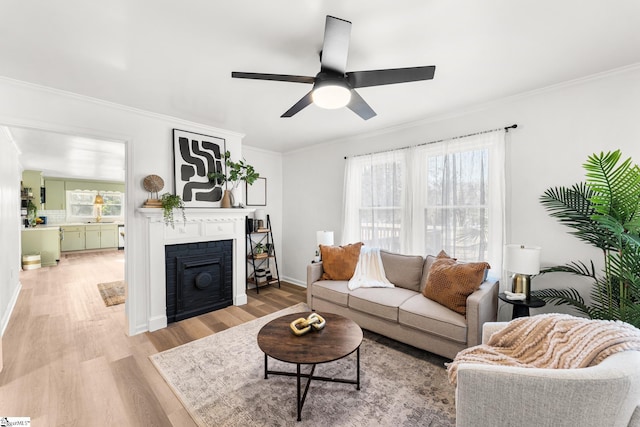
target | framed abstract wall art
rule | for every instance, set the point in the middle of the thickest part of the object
(195, 156)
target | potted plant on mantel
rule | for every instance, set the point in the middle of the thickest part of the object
(171, 202)
(236, 172)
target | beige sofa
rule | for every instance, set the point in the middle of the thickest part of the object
(403, 313)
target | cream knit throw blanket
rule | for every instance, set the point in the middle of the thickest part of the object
(558, 341)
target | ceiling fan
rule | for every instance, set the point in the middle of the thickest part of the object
(333, 86)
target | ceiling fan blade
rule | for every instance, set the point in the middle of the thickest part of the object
(335, 47)
(360, 106)
(304, 102)
(390, 76)
(277, 77)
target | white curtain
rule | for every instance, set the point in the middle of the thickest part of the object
(375, 199)
(447, 195)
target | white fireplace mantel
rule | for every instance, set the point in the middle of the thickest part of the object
(202, 225)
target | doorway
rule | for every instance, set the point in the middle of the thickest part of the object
(70, 156)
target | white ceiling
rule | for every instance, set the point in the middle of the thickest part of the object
(176, 57)
(69, 156)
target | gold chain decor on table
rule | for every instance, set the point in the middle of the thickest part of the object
(301, 326)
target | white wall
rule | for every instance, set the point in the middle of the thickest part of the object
(148, 139)
(269, 165)
(557, 129)
(10, 175)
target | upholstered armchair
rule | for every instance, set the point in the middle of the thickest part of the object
(607, 394)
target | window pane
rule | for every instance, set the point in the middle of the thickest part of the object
(82, 210)
(82, 198)
(381, 211)
(461, 232)
(112, 205)
(381, 228)
(456, 205)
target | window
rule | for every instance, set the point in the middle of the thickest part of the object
(377, 187)
(80, 205)
(455, 212)
(420, 200)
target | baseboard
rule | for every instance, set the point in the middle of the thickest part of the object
(4, 322)
(240, 299)
(157, 322)
(294, 281)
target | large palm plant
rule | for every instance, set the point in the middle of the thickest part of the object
(603, 212)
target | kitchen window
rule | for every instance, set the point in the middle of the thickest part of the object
(80, 207)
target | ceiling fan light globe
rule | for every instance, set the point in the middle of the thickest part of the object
(331, 96)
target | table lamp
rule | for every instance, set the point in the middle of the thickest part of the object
(98, 202)
(523, 261)
(324, 238)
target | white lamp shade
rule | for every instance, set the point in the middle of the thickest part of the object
(259, 214)
(324, 238)
(522, 259)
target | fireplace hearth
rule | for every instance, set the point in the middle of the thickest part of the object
(199, 278)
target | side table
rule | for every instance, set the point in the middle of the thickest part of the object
(521, 307)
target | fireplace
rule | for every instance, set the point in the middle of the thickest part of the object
(202, 225)
(198, 278)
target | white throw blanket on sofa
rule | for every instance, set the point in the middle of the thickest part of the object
(369, 271)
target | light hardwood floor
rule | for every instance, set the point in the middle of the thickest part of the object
(68, 360)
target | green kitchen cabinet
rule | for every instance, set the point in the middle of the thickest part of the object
(73, 238)
(92, 237)
(56, 196)
(44, 241)
(109, 236)
(101, 236)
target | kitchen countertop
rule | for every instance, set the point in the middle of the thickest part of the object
(72, 224)
(41, 227)
(69, 224)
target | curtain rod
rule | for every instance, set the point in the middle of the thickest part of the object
(506, 129)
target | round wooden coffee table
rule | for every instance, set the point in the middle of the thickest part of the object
(339, 338)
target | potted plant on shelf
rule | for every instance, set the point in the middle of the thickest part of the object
(170, 202)
(236, 172)
(259, 251)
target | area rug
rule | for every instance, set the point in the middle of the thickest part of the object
(220, 381)
(112, 293)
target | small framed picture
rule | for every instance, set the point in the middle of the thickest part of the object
(257, 193)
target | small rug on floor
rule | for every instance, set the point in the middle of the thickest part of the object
(112, 293)
(220, 381)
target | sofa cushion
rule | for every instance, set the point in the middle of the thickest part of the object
(335, 291)
(403, 271)
(450, 283)
(428, 261)
(381, 302)
(339, 262)
(429, 316)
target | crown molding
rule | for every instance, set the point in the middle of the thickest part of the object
(121, 107)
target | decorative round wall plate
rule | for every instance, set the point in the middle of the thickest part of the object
(153, 183)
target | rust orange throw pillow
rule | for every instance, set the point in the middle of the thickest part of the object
(339, 262)
(450, 283)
